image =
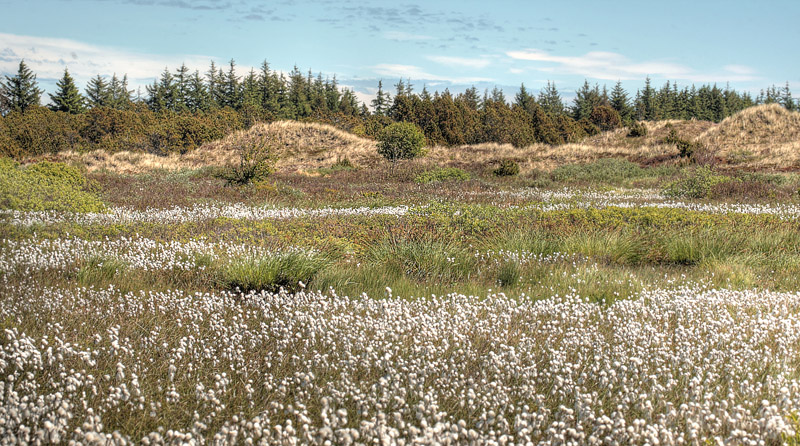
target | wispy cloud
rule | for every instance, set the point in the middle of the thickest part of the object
(403, 36)
(397, 71)
(460, 62)
(48, 57)
(612, 66)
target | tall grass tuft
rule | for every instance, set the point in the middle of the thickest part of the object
(273, 272)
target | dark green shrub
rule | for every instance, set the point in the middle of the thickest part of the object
(605, 118)
(401, 140)
(637, 129)
(507, 168)
(442, 174)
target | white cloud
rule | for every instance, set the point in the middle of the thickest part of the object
(397, 71)
(403, 36)
(612, 66)
(460, 62)
(48, 57)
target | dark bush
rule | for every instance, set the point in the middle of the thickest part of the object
(637, 129)
(507, 168)
(605, 118)
(401, 140)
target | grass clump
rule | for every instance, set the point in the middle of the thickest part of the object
(255, 162)
(46, 186)
(273, 272)
(442, 174)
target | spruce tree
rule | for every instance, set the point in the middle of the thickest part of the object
(786, 98)
(197, 97)
(231, 93)
(67, 98)
(381, 102)
(213, 84)
(586, 99)
(97, 92)
(620, 102)
(19, 93)
(550, 100)
(182, 78)
(524, 99)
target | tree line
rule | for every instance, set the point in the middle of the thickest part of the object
(469, 117)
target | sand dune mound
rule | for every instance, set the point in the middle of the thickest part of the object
(300, 145)
(762, 136)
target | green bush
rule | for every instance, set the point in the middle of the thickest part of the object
(605, 118)
(46, 186)
(699, 183)
(442, 174)
(507, 168)
(272, 272)
(637, 129)
(255, 163)
(686, 147)
(401, 140)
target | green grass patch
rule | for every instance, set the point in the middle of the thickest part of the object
(441, 174)
(270, 273)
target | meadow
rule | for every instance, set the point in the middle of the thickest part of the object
(431, 302)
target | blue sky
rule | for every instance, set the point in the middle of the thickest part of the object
(441, 44)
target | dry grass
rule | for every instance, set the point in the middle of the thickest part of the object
(767, 136)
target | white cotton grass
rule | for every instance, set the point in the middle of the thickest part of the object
(681, 366)
(199, 212)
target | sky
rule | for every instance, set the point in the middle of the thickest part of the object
(438, 44)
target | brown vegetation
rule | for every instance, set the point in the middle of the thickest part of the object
(766, 136)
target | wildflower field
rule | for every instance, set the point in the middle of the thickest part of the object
(604, 303)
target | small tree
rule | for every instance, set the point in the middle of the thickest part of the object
(67, 98)
(401, 140)
(20, 92)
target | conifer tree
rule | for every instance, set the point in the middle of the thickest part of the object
(786, 98)
(524, 99)
(198, 98)
(213, 82)
(620, 102)
(119, 95)
(472, 98)
(586, 99)
(498, 95)
(97, 93)
(381, 102)
(67, 98)
(230, 88)
(550, 100)
(182, 77)
(19, 93)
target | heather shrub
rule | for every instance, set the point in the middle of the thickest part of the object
(637, 129)
(507, 168)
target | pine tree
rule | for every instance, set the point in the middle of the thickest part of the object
(586, 99)
(472, 98)
(381, 102)
(212, 77)
(786, 98)
(120, 96)
(182, 87)
(550, 100)
(163, 94)
(198, 98)
(19, 93)
(524, 99)
(97, 93)
(67, 98)
(498, 95)
(230, 88)
(620, 102)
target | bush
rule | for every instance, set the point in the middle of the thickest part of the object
(637, 129)
(507, 168)
(255, 164)
(46, 186)
(605, 118)
(272, 272)
(686, 147)
(401, 140)
(442, 174)
(699, 184)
